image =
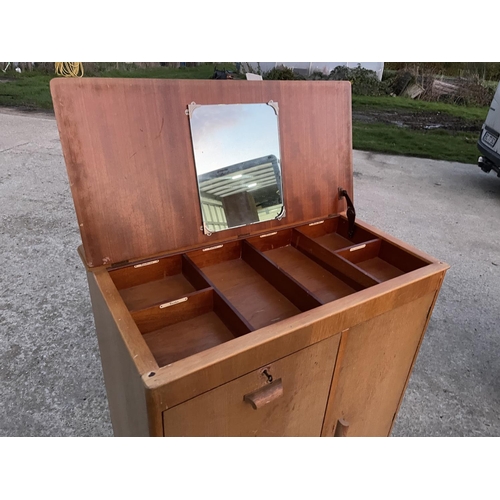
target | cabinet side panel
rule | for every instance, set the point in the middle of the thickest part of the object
(376, 364)
(429, 314)
(124, 387)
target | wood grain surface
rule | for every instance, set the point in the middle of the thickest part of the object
(208, 369)
(298, 411)
(127, 147)
(374, 369)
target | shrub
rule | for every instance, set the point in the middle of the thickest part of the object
(281, 73)
(364, 81)
(317, 75)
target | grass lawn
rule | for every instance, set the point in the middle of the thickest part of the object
(385, 103)
(30, 90)
(435, 144)
(439, 144)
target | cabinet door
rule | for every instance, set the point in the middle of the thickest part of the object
(285, 398)
(374, 365)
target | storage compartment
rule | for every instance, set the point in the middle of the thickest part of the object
(188, 325)
(176, 309)
(333, 233)
(187, 303)
(283, 249)
(252, 284)
(152, 282)
(381, 259)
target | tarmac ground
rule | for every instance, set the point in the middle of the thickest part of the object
(51, 381)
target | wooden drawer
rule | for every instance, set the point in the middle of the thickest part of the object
(292, 404)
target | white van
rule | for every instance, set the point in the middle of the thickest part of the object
(488, 143)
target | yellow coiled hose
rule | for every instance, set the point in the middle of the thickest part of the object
(74, 69)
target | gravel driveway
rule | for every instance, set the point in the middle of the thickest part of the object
(50, 374)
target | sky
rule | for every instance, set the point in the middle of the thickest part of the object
(225, 134)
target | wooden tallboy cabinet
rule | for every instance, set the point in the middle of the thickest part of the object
(308, 325)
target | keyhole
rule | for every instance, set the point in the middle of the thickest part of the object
(268, 375)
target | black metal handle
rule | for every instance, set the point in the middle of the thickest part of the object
(351, 212)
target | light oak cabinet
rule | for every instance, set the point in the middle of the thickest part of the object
(306, 323)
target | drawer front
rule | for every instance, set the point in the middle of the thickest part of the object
(285, 398)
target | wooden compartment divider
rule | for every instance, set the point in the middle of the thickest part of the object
(194, 275)
(144, 272)
(188, 325)
(325, 232)
(342, 263)
(181, 340)
(316, 279)
(153, 282)
(333, 233)
(361, 235)
(298, 295)
(399, 258)
(215, 254)
(229, 314)
(271, 241)
(337, 265)
(320, 228)
(361, 251)
(381, 260)
(159, 316)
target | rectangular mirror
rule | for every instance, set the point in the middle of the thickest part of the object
(238, 163)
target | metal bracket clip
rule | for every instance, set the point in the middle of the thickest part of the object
(351, 212)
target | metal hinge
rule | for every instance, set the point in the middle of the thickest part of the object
(119, 264)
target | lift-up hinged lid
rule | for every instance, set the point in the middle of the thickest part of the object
(128, 152)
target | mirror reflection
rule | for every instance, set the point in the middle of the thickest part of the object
(237, 158)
